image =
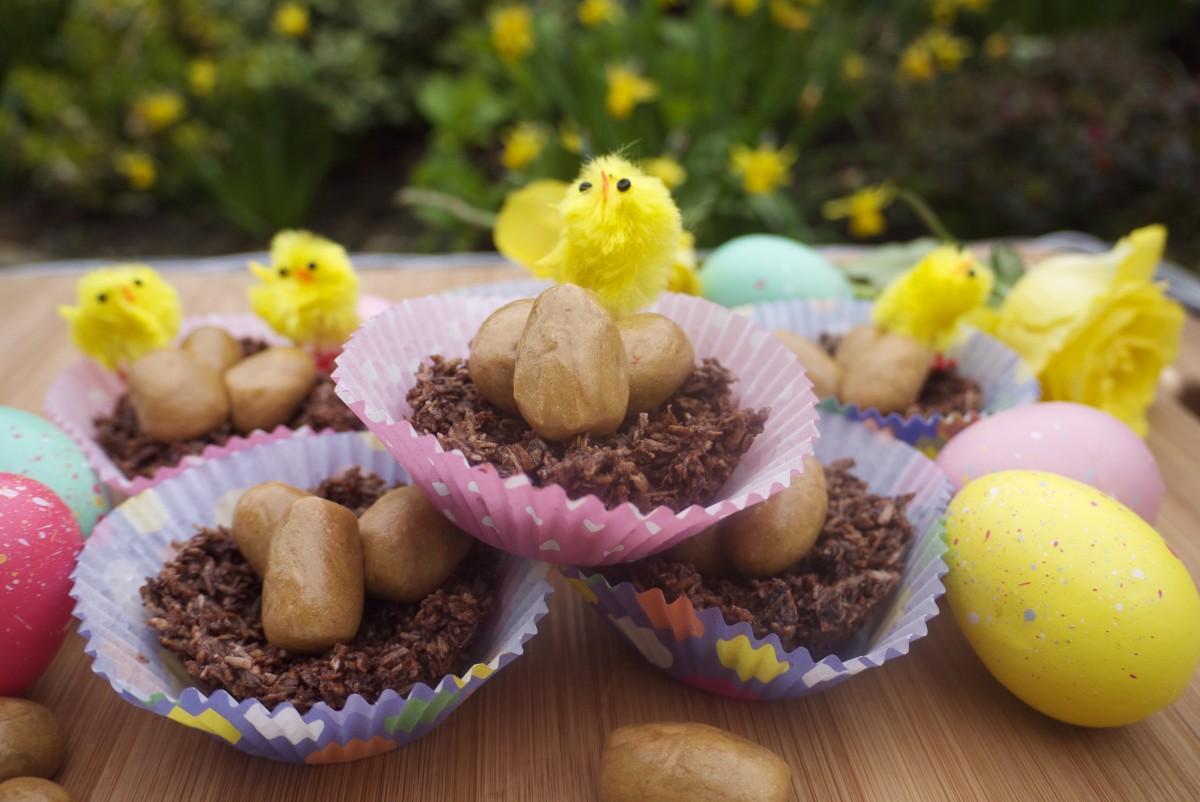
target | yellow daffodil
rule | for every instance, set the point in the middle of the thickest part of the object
(684, 277)
(522, 145)
(791, 15)
(744, 8)
(593, 12)
(1096, 329)
(626, 89)
(528, 223)
(949, 50)
(996, 45)
(864, 208)
(155, 111)
(292, 19)
(139, 170)
(762, 169)
(916, 62)
(854, 67)
(666, 169)
(568, 134)
(202, 77)
(512, 33)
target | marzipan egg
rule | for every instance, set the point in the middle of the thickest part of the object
(39, 544)
(1072, 440)
(1072, 601)
(766, 267)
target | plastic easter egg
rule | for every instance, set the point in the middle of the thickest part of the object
(39, 544)
(1072, 601)
(1072, 440)
(34, 447)
(765, 267)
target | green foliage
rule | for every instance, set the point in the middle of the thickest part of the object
(118, 103)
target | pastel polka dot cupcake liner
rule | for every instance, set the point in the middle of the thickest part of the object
(379, 366)
(700, 649)
(86, 391)
(1003, 377)
(134, 541)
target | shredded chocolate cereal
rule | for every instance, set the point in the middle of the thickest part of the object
(206, 607)
(676, 456)
(136, 453)
(822, 600)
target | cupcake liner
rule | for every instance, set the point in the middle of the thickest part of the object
(86, 390)
(1003, 377)
(135, 540)
(699, 648)
(378, 368)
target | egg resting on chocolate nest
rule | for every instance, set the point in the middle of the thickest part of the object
(676, 456)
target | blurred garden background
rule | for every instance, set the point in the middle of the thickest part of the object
(160, 127)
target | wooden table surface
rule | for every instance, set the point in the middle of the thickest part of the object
(929, 725)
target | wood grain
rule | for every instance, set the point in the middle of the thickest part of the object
(931, 725)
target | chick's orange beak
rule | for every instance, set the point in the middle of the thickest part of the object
(127, 292)
(604, 182)
(303, 276)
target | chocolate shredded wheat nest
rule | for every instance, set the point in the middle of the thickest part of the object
(946, 391)
(136, 453)
(206, 607)
(678, 455)
(824, 599)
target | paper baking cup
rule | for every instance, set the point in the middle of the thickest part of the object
(699, 648)
(1003, 377)
(136, 539)
(379, 366)
(86, 390)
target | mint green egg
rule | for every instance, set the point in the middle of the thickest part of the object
(34, 447)
(766, 267)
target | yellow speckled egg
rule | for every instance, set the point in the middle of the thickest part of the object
(1072, 601)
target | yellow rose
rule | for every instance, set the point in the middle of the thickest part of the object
(1096, 329)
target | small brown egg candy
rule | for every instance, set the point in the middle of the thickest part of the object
(688, 762)
(31, 739)
(571, 375)
(409, 547)
(33, 789)
(258, 515)
(822, 370)
(312, 593)
(176, 396)
(881, 370)
(266, 389)
(493, 357)
(213, 346)
(661, 358)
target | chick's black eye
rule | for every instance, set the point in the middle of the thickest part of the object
(137, 282)
(312, 265)
(102, 297)
(623, 185)
(971, 273)
(283, 272)
(585, 186)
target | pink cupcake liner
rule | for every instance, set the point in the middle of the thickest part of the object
(699, 648)
(379, 366)
(1003, 377)
(135, 540)
(86, 390)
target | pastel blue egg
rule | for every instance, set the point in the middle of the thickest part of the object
(766, 267)
(32, 446)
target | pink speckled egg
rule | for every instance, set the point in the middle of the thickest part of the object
(39, 543)
(1072, 440)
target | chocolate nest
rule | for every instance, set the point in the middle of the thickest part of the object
(136, 453)
(823, 600)
(206, 607)
(678, 455)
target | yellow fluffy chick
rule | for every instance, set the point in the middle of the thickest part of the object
(124, 312)
(310, 292)
(620, 232)
(929, 301)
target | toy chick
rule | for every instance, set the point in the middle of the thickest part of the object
(124, 312)
(929, 301)
(310, 292)
(620, 232)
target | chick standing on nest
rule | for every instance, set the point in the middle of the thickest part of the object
(124, 312)
(620, 232)
(310, 292)
(930, 300)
